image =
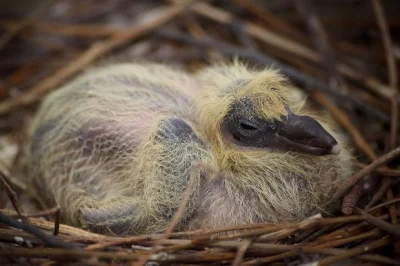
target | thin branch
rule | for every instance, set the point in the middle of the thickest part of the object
(241, 251)
(391, 63)
(70, 30)
(290, 46)
(66, 230)
(383, 204)
(243, 36)
(354, 252)
(336, 81)
(13, 198)
(365, 171)
(320, 39)
(343, 241)
(385, 226)
(381, 192)
(344, 120)
(65, 254)
(93, 53)
(280, 25)
(307, 224)
(18, 27)
(263, 59)
(46, 238)
(272, 20)
(381, 170)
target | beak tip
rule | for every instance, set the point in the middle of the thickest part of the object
(335, 149)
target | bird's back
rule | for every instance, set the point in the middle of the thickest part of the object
(87, 132)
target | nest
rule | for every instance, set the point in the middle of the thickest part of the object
(341, 60)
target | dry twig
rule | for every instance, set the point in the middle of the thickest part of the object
(320, 39)
(13, 198)
(290, 46)
(367, 170)
(94, 52)
(51, 241)
(391, 63)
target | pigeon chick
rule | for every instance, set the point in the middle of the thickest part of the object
(115, 148)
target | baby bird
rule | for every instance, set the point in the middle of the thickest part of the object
(116, 147)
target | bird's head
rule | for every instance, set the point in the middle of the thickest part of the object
(278, 155)
(245, 110)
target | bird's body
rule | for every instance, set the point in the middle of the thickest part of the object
(116, 148)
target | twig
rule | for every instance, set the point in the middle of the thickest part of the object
(393, 80)
(66, 254)
(65, 229)
(255, 56)
(365, 171)
(13, 198)
(242, 35)
(391, 64)
(307, 224)
(135, 239)
(380, 170)
(336, 81)
(8, 35)
(268, 260)
(290, 46)
(241, 251)
(371, 234)
(48, 239)
(385, 226)
(94, 52)
(367, 257)
(383, 204)
(121, 241)
(344, 120)
(278, 24)
(354, 252)
(381, 192)
(272, 20)
(320, 39)
(70, 30)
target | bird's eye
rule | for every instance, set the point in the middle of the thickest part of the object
(247, 129)
(246, 126)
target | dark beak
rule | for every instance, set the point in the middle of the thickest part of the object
(305, 134)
